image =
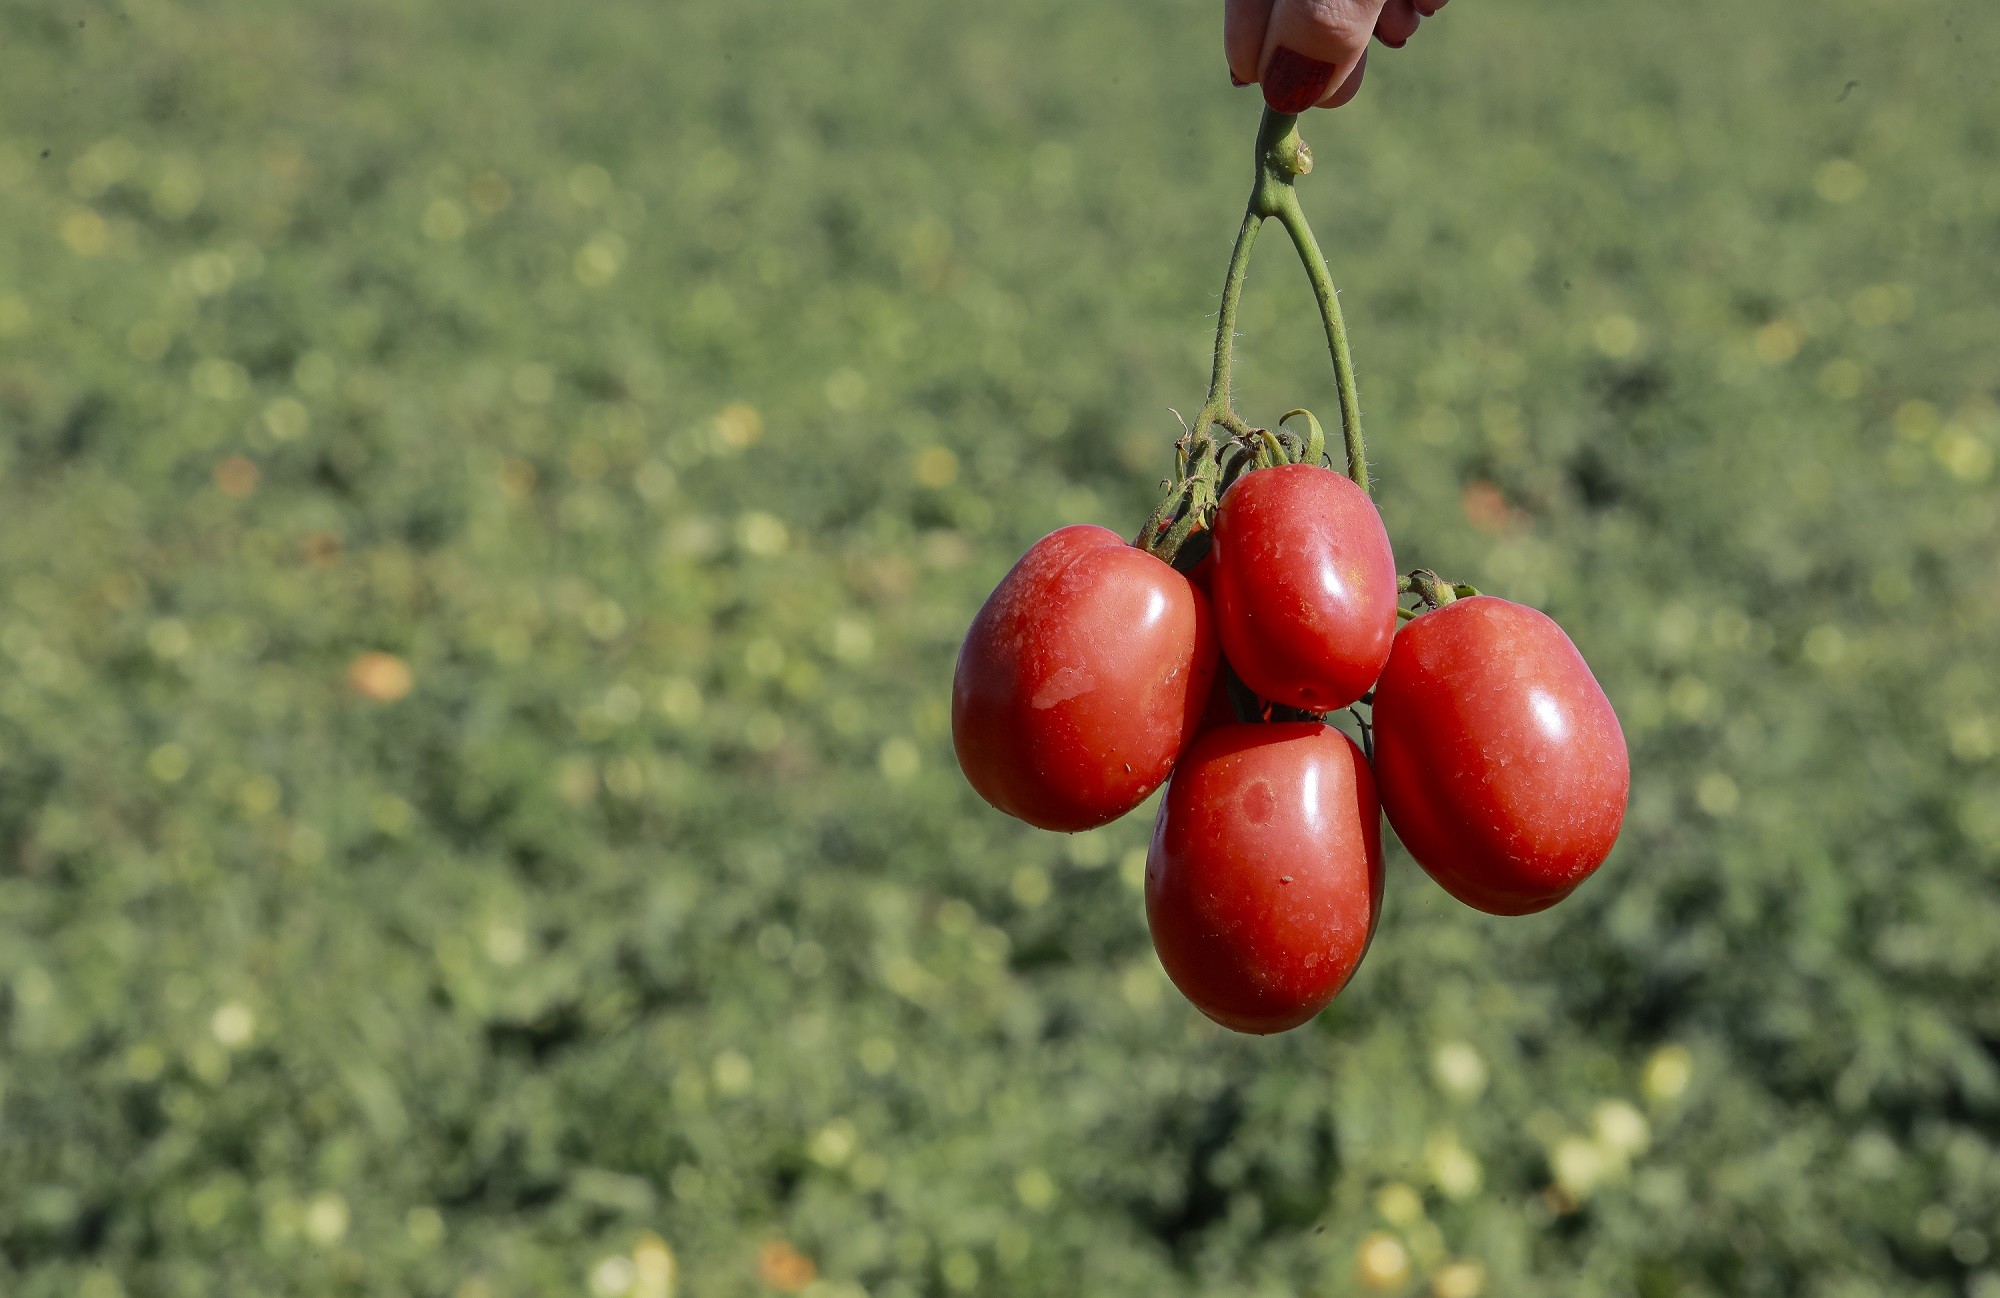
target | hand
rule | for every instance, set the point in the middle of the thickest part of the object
(1307, 52)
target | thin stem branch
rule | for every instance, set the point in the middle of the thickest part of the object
(1220, 396)
(1293, 217)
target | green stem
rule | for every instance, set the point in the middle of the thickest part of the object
(1294, 219)
(1220, 397)
(1282, 157)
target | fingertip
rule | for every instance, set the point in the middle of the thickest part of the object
(1398, 23)
(1348, 89)
(1293, 82)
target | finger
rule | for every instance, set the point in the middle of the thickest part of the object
(1243, 24)
(1312, 46)
(1348, 88)
(1398, 23)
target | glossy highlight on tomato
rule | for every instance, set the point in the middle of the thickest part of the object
(1305, 586)
(1264, 880)
(1081, 680)
(1502, 765)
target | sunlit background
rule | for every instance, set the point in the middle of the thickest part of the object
(489, 494)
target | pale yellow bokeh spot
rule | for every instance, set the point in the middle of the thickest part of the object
(1578, 1165)
(1459, 1069)
(220, 380)
(1825, 646)
(834, 1143)
(1917, 420)
(168, 763)
(761, 534)
(1140, 985)
(1381, 1262)
(444, 221)
(738, 425)
(86, 233)
(1668, 1074)
(1035, 1188)
(1965, 454)
(597, 262)
(1453, 1168)
(1717, 794)
(936, 467)
(899, 761)
(654, 1263)
(326, 1219)
(732, 1073)
(1779, 341)
(1617, 336)
(1031, 886)
(613, 1277)
(1399, 1204)
(1971, 737)
(680, 700)
(287, 419)
(178, 189)
(1459, 1280)
(425, 1227)
(233, 1024)
(1621, 1129)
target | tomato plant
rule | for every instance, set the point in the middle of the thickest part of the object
(1264, 880)
(1081, 680)
(1502, 765)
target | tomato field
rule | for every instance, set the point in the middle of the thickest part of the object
(490, 500)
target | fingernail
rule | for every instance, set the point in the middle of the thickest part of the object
(1294, 83)
(1235, 80)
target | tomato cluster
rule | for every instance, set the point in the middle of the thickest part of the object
(1261, 597)
(1097, 670)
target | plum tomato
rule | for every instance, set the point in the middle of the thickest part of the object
(1264, 880)
(1305, 586)
(1502, 766)
(1081, 681)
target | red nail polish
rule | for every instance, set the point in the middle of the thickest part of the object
(1235, 80)
(1294, 83)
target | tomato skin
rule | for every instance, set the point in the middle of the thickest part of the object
(1081, 680)
(1503, 767)
(1305, 586)
(1264, 881)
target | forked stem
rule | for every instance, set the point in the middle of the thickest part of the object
(1282, 157)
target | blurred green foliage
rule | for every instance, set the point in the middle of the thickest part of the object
(662, 387)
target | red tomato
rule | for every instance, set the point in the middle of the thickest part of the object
(1305, 586)
(1502, 765)
(1265, 877)
(1081, 681)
